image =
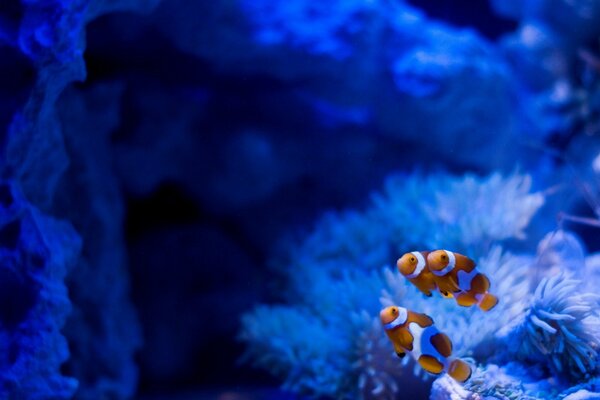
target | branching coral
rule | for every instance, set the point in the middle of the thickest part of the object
(336, 279)
(560, 328)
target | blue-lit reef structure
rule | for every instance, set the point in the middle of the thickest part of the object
(193, 189)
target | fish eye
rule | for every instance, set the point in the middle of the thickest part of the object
(443, 257)
(412, 259)
(394, 311)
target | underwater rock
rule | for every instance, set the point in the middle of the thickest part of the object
(162, 143)
(51, 34)
(559, 15)
(445, 69)
(413, 71)
(259, 36)
(245, 167)
(103, 329)
(36, 253)
(35, 154)
(556, 65)
(332, 29)
(17, 75)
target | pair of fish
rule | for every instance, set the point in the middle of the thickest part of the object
(453, 274)
(415, 333)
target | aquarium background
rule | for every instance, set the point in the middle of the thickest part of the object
(206, 199)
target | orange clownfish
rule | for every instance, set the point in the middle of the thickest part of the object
(456, 274)
(415, 333)
(413, 266)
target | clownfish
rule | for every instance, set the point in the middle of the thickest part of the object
(415, 333)
(413, 266)
(457, 274)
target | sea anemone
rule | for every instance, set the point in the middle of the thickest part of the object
(560, 328)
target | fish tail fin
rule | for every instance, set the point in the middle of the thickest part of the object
(488, 301)
(459, 370)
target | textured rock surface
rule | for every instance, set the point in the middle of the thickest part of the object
(412, 70)
(46, 38)
(36, 253)
(103, 330)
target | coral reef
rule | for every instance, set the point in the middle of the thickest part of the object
(335, 280)
(552, 329)
(164, 148)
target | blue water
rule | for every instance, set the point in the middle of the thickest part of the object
(207, 199)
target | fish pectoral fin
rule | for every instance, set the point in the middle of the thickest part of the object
(406, 340)
(400, 352)
(423, 319)
(454, 284)
(424, 291)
